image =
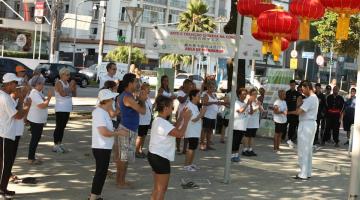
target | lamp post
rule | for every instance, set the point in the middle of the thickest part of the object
(133, 14)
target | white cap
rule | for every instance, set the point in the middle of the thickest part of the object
(9, 77)
(106, 94)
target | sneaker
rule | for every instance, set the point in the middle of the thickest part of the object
(57, 149)
(291, 144)
(195, 166)
(252, 153)
(63, 148)
(246, 153)
(189, 168)
(235, 159)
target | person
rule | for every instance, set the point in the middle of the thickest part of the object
(164, 89)
(112, 86)
(307, 111)
(261, 97)
(321, 113)
(226, 115)
(162, 144)
(145, 123)
(110, 76)
(333, 84)
(335, 106)
(349, 113)
(280, 111)
(183, 98)
(292, 96)
(37, 116)
(240, 122)
(193, 130)
(130, 108)
(64, 91)
(132, 69)
(23, 79)
(328, 90)
(8, 113)
(102, 140)
(255, 108)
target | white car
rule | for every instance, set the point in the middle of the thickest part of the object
(180, 78)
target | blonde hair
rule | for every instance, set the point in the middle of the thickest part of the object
(63, 71)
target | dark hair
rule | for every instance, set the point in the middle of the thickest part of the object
(121, 87)
(187, 81)
(108, 66)
(292, 81)
(307, 84)
(161, 82)
(109, 84)
(353, 89)
(252, 90)
(318, 85)
(162, 102)
(193, 94)
(240, 90)
(127, 79)
(328, 87)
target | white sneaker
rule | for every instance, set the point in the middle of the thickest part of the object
(57, 149)
(62, 148)
(189, 168)
(291, 144)
(195, 166)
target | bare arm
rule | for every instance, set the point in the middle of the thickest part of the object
(59, 88)
(139, 107)
(107, 133)
(200, 115)
(179, 130)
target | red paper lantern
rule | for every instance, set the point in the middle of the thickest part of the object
(284, 44)
(294, 36)
(257, 10)
(344, 8)
(307, 10)
(266, 40)
(277, 23)
(245, 7)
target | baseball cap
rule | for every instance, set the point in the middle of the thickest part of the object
(20, 68)
(9, 77)
(106, 94)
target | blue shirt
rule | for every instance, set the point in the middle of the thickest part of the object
(129, 117)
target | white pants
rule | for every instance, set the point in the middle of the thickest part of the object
(305, 135)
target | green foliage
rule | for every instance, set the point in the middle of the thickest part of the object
(121, 53)
(326, 28)
(176, 59)
(194, 19)
(19, 54)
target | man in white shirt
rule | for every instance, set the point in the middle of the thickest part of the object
(110, 76)
(307, 111)
(8, 114)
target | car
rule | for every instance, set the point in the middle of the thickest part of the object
(8, 65)
(223, 84)
(149, 76)
(179, 79)
(51, 73)
(90, 71)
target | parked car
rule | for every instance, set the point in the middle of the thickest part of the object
(51, 73)
(179, 79)
(8, 65)
(90, 71)
(149, 76)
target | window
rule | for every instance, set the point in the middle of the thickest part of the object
(195, 77)
(67, 8)
(123, 14)
(178, 3)
(181, 77)
(94, 31)
(142, 32)
(153, 14)
(96, 12)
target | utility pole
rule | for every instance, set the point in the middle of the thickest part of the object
(102, 34)
(56, 15)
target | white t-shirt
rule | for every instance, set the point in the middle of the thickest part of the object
(101, 118)
(310, 107)
(212, 110)
(146, 119)
(37, 115)
(167, 94)
(280, 118)
(194, 128)
(161, 143)
(18, 123)
(182, 105)
(254, 119)
(240, 119)
(105, 78)
(7, 110)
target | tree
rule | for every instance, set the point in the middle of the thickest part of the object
(121, 53)
(177, 59)
(326, 28)
(194, 19)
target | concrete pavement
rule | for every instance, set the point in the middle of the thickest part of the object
(267, 176)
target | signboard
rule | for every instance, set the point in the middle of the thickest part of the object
(294, 53)
(350, 66)
(83, 22)
(21, 40)
(190, 43)
(308, 55)
(250, 48)
(293, 63)
(39, 9)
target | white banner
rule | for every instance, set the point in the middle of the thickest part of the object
(190, 43)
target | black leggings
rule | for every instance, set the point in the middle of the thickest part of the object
(7, 157)
(36, 132)
(237, 137)
(102, 159)
(62, 119)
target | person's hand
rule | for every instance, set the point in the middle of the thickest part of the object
(49, 94)
(299, 102)
(121, 132)
(27, 103)
(186, 113)
(72, 85)
(202, 111)
(143, 95)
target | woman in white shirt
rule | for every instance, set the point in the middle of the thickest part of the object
(253, 123)
(194, 129)
(240, 123)
(102, 139)
(37, 115)
(280, 119)
(64, 91)
(144, 123)
(164, 89)
(162, 144)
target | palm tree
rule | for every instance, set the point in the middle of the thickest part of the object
(176, 60)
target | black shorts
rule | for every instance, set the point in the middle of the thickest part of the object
(251, 132)
(159, 164)
(280, 128)
(225, 122)
(209, 123)
(143, 130)
(193, 143)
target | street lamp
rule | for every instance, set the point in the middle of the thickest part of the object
(133, 14)
(75, 28)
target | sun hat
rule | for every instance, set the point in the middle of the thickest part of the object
(9, 77)
(106, 94)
